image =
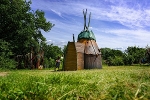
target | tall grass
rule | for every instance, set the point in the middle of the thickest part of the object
(124, 83)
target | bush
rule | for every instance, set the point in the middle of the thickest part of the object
(115, 61)
(49, 63)
(5, 61)
(128, 59)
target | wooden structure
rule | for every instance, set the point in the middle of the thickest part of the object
(31, 60)
(83, 54)
(80, 55)
(70, 57)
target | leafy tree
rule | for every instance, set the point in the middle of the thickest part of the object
(64, 49)
(135, 53)
(112, 57)
(115, 61)
(146, 58)
(106, 52)
(128, 59)
(5, 55)
(132, 55)
(51, 52)
(20, 26)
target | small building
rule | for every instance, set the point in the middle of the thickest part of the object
(83, 54)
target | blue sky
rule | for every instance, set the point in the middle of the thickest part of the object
(115, 23)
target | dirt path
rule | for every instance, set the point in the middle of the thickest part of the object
(3, 73)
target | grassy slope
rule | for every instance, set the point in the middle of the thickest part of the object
(131, 82)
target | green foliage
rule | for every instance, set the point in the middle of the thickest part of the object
(110, 83)
(6, 63)
(5, 55)
(64, 49)
(22, 27)
(131, 56)
(49, 63)
(136, 53)
(146, 58)
(115, 61)
(112, 57)
(128, 59)
(52, 51)
(106, 52)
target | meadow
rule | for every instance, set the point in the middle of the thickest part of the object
(109, 83)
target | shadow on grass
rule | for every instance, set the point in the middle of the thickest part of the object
(144, 65)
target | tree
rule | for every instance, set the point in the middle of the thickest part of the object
(5, 55)
(64, 48)
(128, 59)
(135, 53)
(20, 26)
(51, 52)
(112, 57)
(146, 58)
(106, 52)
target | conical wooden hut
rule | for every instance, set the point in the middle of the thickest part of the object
(92, 55)
(83, 54)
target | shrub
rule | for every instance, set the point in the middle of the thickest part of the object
(5, 61)
(49, 63)
(115, 61)
(128, 59)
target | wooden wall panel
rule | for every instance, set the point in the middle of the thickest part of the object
(80, 61)
(70, 61)
(92, 61)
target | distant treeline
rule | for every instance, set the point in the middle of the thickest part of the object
(132, 55)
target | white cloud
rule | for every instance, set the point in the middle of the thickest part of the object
(121, 12)
(129, 17)
(56, 12)
(142, 35)
(122, 38)
(133, 16)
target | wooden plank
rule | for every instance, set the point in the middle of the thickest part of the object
(70, 62)
(80, 47)
(80, 61)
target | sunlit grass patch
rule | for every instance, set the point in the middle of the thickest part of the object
(122, 82)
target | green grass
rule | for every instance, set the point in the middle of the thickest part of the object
(109, 83)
